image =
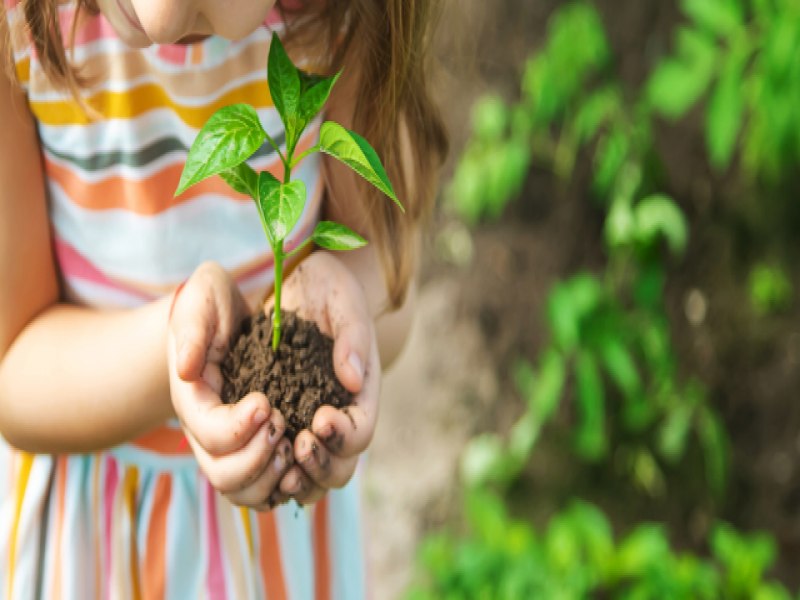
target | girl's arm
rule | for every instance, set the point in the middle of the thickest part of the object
(71, 379)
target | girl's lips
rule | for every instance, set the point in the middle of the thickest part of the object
(131, 18)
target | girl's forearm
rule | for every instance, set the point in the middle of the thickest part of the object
(79, 380)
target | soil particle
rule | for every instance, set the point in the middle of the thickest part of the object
(297, 379)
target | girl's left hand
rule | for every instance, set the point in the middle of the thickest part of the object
(324, 290)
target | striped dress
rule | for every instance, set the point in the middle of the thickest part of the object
(140, 520)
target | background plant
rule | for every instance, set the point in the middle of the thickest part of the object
(609, 330)
(576, 556)
(734, 65)
(234, 133)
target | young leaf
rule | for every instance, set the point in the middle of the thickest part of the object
(243, 179)
(281, 204)
(658, 214)
(354, 151)
(721, 17)
(228, 138)
(724, 113)
(314, 94)
(334, 236)
(284, 86)
(591, 436)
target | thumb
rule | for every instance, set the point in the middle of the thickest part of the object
(192, 332)
(351, 348)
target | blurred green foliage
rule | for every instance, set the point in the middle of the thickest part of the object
(770, 289)
(609, 332)
(576, 556)
(743, 57)
(610, 354)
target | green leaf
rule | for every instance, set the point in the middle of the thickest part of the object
(281, 204)
(549, 385)
(645, 548)
(597, 110)
(354, 151)
(482, 459)
(612, 151)
(228, 138)
(563, 318)
(591, 436)
(724, 113)
(243, 179)
(315, 92)
(678, 83)
(334, 236)
(490, 117)
(659, 215)
(720, 17)
(619, 365)
(714, 441)
(674, 432)
(284, 86)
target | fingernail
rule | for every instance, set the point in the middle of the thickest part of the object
(357, 365)
(259, 417)
(278, 462)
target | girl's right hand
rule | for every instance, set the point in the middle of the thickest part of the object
(240, 447)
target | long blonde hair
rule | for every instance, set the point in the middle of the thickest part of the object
(388, 41)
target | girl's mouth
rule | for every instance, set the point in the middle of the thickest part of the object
(131, 18)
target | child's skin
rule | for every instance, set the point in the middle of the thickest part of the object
(76, 379)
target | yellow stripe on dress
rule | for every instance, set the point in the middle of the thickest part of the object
(248, 529)
(26, 464)
(130, 487)
(139, 100)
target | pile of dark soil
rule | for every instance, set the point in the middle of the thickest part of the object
(297, 379)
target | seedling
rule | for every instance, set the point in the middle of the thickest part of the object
(234, 133)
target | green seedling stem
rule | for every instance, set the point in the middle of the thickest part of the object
(234, 133)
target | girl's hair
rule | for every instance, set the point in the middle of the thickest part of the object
(387, 42)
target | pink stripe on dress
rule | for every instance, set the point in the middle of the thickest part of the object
(76, 266)
(216, 572)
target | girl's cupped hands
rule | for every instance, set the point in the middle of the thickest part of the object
(241, 448)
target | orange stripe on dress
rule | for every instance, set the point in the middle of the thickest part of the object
(270, 557)
(149, 195)
(163, 440)
(154, 571)
(322, 563)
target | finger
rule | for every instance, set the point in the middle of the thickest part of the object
(352, 333)
(221, 428)
(324, 469)
(237, 471)
(192, 328)
(348, 431)
(261, 490)
(203, 319)
(212, 375)
(275, 499)
(299, 486)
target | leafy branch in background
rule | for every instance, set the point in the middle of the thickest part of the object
(576, 556)
(743, 56)
(609, 331)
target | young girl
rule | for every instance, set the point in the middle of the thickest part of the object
(105, 369)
